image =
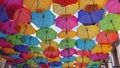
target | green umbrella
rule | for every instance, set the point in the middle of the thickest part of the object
(35, 49)
(110, 22)
(46, 34)
(95, 63)
(20, 65)
(67, 43)
(16, 39)
(29, 62)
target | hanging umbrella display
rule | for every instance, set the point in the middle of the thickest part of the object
(92, 5)
(103, 48)
(98, 57)
(9, 51)
(84, 53)
(2, 35)
(46, 34)
(27, 29)
(45, 44)
(87, 32)
(3, 15)
(66, 22)
(21, 48)
(68, 59)
(67, 10)
(56, 59)
(85, 44)
(107, 37)
(44, 19)
(22, 15)
(68, 65)
(38, 5)
(34, 49)
(5, 44)
(92, 17)
(111, 20)
(67, 34)
(67, 43)
(82, 59)
(64, 2)
(113, 6)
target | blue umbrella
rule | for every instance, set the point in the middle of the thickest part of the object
(21, 48)
(68, 59)
(31, 41)
(2, 35)
(40, 60)
(15, 56)
(92, 66)
(90, 18)
(52, 64)
(45, 19)
(85, 44)
(3, 15)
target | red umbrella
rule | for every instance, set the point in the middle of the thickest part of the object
(66, 22)
(107, 37)
(65, 2)
(26, 55)
(22, 15)
(10, 12)
(51, 52)
(84, 53)
(5, 44)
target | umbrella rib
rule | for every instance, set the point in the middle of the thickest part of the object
(87, 32)
(91, 18)
(113, 25)
(106, 37)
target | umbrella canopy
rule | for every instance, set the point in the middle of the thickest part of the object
(98, 57)
(26, 55)
(66, 22)
(5, 44)
(68, 65)
(2, 35)
(37, 55)
(9, 27)
(111, 20)
(34, 49)
(40, 60)
(82, 59)
(21, 48)
(64, 2)
(55, 63)
(56, 59)
(87, 32)
(67, 34)
(31, 40)
(44, 19)
(51, 52)
(15, 56)
(67, 10)
(92, 17)
(68, 52)
(113, 6)
(31, 63)
(84, 53)
(85, 44)
(22, 15)
(9, 51)
(44, 66)
(67, 43)
(95, 63)
(92, 5)
(92, 66)
(103, 48)
(38, 5)
(45, 44)
(3, 15)
(27, 29)
(46, 34)
(68, 59)
(79, 65)
(107, 37)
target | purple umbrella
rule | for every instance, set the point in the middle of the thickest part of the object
(6, 44)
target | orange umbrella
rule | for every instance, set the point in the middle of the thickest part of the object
(8, 51)
(56, 59)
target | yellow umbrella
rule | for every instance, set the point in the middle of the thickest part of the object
(67, 34)
(87, 32)
(82, 59)
(104, 48)
(37, 55)
(37, 5)
(92, 5)
(68, 65)
(57, 59)
(45, 44)
(67, 10)
(27, 29)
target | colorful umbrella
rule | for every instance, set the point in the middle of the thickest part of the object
(31, 63)
(3, 15)
(44, 66)
(92, 5)
(66, 22)
(111, 20)
(56, 59)
(85, 44)
(81, 65)
(51, 52)
(95, 63)
(67, 10)
(68, 52)
(87, 32)
(22, 15)
(9, 51)
(38, 5)
(84, 53)
(9, 27)
(68, 65)
(37, 55)
(82, 59)
(34, 49)
(40, 60)
(67, 34)
(113, 6)
(46, 34)
(5, 44)
(10, 12)
(26, 55)
(92, 17)
(103, 48)
(44, 19)
(15, 56)
(2, 35)
(55, 64)
(98, 57)
(68, 59)
(64, 2)
(21, 48)
(107, 37)
(67, 43)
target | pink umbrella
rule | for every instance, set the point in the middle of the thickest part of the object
(5, 44)
(66, 22)
(113, 6)
(84, 53)
(98, 57)
(68, 52)
(9, 27)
